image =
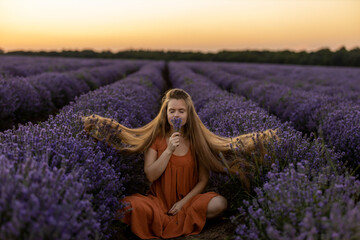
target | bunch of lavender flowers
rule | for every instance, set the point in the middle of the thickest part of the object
(176, 123)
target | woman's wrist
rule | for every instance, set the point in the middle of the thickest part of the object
(168, 151)
(184, 200)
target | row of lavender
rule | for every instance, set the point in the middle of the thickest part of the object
(24, 66)
(335, 117)
(56, 182)
(332, 81)
(306, 194)
(29, 98)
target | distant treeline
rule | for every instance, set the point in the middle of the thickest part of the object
(341, 57)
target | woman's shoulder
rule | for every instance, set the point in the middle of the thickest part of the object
(158, 142)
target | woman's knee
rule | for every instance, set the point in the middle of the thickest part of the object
(217, 205)
(221, 203)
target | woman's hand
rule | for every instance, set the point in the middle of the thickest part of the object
(174, 141)
(175, 209)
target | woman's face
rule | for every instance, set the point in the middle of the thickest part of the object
(177, 108)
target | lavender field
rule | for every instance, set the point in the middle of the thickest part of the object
(58, 183)
(34, 87)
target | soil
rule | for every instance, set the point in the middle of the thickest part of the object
(219, 229)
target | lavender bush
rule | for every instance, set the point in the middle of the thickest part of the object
(229, 115)
(308, 111)
(292, 206)
(61, 143)
(39, 203)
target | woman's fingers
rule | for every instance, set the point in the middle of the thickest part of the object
(175, 134)
(176, 208)
(174, 140)
(173, 210)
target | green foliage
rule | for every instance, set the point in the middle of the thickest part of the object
(146, 82)
(324, 56)
(188, 81)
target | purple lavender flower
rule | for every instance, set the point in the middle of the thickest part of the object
(177, 124)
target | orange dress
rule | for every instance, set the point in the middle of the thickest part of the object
(148, 217)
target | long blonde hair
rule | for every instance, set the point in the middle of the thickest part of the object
(207, 147)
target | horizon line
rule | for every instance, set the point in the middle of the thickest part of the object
(179, 50)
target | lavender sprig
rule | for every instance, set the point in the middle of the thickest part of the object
(176, 123)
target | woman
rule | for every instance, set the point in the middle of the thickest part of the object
(177, 163)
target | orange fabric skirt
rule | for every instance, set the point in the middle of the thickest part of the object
(148, 219)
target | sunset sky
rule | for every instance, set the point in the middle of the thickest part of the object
(195, 25)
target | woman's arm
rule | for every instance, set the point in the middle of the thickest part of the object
(154, 168)
(199, 188)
